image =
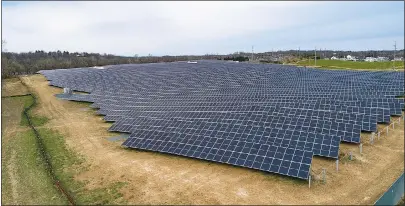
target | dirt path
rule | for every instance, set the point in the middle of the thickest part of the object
(155, 178)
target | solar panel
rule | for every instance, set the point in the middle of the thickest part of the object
(273, 118)
(271, 158)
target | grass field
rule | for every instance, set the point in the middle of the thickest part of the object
(24, 177)
(337, 64)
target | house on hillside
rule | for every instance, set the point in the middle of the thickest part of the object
(333, 58)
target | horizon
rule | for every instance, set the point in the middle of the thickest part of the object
(184, 28)
(232, 53)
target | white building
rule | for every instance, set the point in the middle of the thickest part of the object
(347, 58)
(350, 58)
(370, 59)
(398, 59)
(382, 59)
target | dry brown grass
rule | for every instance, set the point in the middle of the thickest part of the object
(11, 87)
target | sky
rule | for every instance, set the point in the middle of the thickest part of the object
(195, 28)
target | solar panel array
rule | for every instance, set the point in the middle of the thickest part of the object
(268, 117)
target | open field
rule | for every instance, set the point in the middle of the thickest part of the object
(96, 170)
(337, 64)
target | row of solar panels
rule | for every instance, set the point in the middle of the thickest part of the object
(382, 111)
(397, 87)
(240, 87)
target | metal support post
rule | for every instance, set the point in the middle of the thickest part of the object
(372, 138)
(324, 175)
(361, 148)
(337, 165)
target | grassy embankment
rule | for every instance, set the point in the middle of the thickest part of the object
(25, 179)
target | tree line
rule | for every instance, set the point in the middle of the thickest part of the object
(323, 53)
(235, 58)
(14, 64)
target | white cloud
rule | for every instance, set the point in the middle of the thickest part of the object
(128, 28)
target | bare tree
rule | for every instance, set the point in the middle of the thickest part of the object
(3, 46)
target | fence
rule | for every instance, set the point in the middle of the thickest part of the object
(394, 194)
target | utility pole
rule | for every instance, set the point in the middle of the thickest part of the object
(395, 50)
(252, 52)
(320, 52)
(315, 56)
(299, 52)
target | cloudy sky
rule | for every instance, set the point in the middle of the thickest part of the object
(175, 28)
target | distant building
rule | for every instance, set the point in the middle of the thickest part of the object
(370, 59)
(350, 58)
(333, 58)
(378, 59)
(398, 59)
(382, 59)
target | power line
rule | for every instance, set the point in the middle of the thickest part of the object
(395, 50)
(299, 53)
